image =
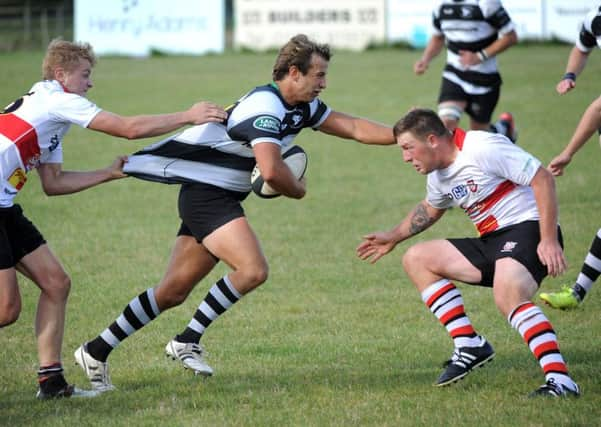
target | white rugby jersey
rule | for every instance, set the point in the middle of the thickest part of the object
(489, 180)
(32, 129)
(221, 154)
(471, 25)
(590, 32)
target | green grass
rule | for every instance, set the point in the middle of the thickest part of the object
(328, 340)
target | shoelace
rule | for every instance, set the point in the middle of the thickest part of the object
(457, 357)
(191, 349)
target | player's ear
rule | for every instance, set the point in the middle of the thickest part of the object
(294, 72)
(59, 74)
(432, 140)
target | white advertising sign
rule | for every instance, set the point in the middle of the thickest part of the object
(527, 17)
(564, 18)
(268, 24)
(411, 21)
(136, 27)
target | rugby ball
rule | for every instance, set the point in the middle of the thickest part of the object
(294, 157)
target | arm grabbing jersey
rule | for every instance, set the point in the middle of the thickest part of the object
(221, 154)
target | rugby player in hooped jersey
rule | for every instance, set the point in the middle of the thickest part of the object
(31, 133)
(589, 37)
(215, 162)
(511, 200)
(569, 297)
(475, 33)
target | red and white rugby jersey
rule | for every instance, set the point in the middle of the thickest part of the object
(489, 180)
(32, 129)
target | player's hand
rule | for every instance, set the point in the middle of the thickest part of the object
(551, 255)
(564, 86)
(559, 163)
(420, 67)
(116, 168)
(468, 59)
(205, 112)
(375, 246)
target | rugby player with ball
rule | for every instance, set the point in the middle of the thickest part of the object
(213, 162)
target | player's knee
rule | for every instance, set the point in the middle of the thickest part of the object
(255, 275)
(258, 274)
(413, 258)
(9, 313)
(450, 115)
(171, 295)
(57, 286)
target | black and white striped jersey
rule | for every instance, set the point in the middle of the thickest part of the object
(471, 25)
(590, 32)
(221, 154)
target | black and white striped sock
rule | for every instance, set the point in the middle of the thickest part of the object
(591, 269)
(139, 312)
(221, 297)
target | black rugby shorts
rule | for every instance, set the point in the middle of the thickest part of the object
(18, 236)
(516, 241)
(203, 208)
(479, 107)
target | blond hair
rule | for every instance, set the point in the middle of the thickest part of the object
(65, 54)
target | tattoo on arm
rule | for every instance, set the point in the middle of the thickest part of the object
(420, 220)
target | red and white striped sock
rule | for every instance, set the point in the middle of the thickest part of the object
(538, 333)
(445, 302)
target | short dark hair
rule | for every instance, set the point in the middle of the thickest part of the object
(298, 51)
(420, 122)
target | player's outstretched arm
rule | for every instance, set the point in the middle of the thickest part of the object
(431, 51)
(56, 181)
(361, 130)
(375, 245)
(143, 126)
(576, 63)
(589, 123)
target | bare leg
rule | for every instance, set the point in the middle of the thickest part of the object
(10, 298)
(44, 269)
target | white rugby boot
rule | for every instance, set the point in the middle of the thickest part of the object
(191, 355)
(96, 371)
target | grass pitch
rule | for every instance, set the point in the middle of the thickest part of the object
(328, 340)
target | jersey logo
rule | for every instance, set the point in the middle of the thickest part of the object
(18, 178)
(509, 246)
(53, 143)
(296, 118)
(459, 192)
(471, 184)
(267, 123)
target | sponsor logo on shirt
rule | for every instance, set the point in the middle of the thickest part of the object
(17, 178)
(459, 192)
(53, 143)
(267, 123)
